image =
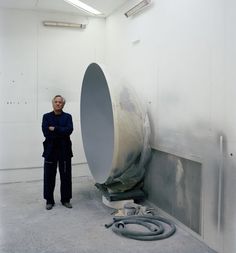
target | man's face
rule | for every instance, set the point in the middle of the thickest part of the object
(57, 104)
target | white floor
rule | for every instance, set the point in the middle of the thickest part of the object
(26, 227)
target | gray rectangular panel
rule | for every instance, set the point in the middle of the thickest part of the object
(174, 185)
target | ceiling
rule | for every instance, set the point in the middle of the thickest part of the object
(104, 6)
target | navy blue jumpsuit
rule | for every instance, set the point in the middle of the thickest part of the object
(57, 150)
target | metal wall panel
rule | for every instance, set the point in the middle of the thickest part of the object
(174, 184)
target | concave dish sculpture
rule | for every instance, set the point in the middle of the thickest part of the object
(111, 124)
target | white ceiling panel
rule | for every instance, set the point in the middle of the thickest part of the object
(21, 4)
(57, 5)
(104, 6)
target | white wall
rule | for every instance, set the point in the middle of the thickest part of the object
(177, 47)
(36, 63)
(180, 56)
(230, 124)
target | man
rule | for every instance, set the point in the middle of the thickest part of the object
(57, 127)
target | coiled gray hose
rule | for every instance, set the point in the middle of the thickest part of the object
(154, 224)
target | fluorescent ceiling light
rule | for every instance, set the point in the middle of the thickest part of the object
(84, 7)
(63, 24)
(137, 8)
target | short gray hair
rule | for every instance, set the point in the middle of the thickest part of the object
(59, 96)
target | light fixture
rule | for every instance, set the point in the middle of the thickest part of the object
(84, 7)
(63, 24)
(137, 8)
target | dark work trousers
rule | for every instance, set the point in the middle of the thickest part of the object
(50, 171)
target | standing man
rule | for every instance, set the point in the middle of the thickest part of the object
(57, 127)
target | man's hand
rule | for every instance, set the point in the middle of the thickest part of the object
(51, 128)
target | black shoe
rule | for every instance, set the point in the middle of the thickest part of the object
(67, 204)
(49, 206)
